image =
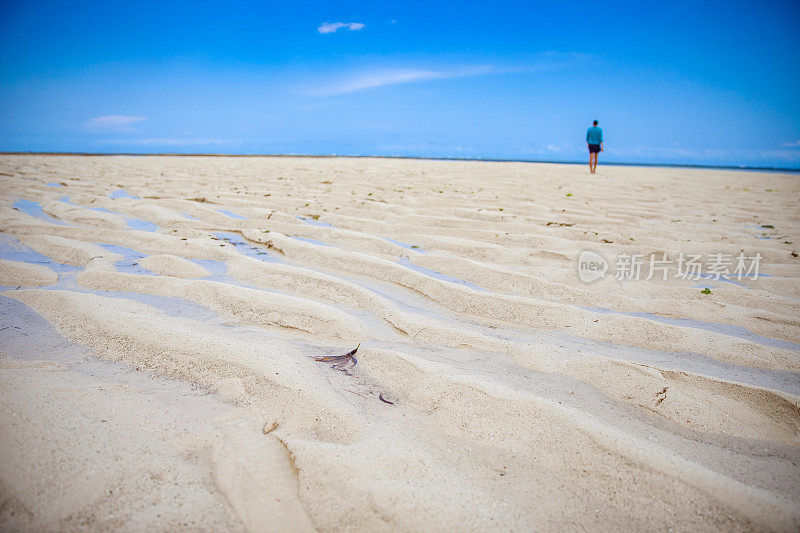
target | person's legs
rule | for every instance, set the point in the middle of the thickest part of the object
(592, 161)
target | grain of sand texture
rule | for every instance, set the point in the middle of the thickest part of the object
(161, 316)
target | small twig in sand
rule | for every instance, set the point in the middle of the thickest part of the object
(269, 427)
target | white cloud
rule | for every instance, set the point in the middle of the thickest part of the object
(787, 156)
(333, 27)
(382, 78)
(171, 141)
(115, 120)
(708, 156)
(545, 61)
(562, 148)
(792, 145)
(115, 123)
(379, 79)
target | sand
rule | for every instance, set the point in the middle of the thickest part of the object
(161, 316)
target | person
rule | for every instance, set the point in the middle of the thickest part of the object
(594, 138)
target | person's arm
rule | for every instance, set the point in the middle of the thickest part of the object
(601, 140)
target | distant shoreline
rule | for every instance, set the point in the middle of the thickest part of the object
(423, 158)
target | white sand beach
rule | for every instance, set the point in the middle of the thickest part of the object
(161, 316)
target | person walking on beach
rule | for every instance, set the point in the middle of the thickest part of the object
(594, 138)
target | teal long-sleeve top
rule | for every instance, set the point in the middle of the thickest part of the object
(594, 135)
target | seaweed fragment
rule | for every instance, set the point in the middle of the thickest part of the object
(340, 362)
(384, 400)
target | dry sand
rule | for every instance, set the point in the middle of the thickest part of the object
(160, 316)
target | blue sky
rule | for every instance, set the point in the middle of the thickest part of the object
(677, 82)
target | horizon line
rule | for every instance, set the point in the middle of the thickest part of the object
(423, 158)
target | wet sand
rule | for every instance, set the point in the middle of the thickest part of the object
(161, 316)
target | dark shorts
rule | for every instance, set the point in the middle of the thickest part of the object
(594, 148)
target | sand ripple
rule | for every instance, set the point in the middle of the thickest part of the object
(493, 389)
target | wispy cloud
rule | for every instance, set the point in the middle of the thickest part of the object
(713, 156)
(542, 62)
(382, 78)
(333, 27)
(114, 123)
(561, 148)
(792, 145)
(115, 120)
(172, 141)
